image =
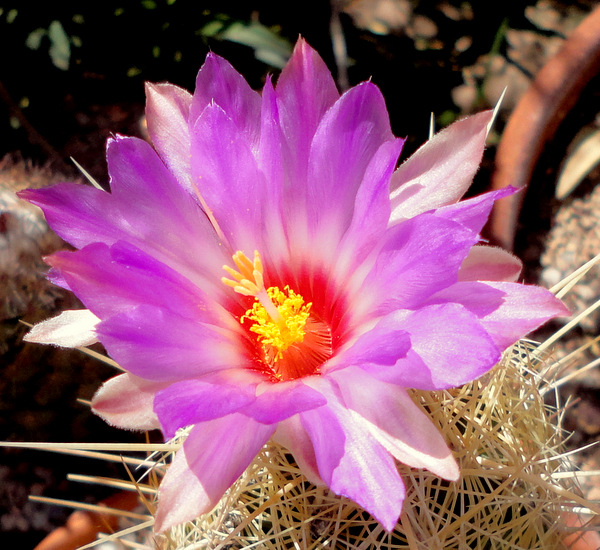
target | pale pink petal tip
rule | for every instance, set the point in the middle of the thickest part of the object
(524, 308)
(490, 263)
(126, 402)
(167, 111)
(181, 497)
(70, 329)
(213, 456)
(416, 442)
(442, 170)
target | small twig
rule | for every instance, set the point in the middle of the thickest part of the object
(338, 41)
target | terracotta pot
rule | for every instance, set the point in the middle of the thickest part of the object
(581, 540)
(535, 119)
(83, 527)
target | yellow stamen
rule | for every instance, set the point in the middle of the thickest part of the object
(279, 316)
(277, 335)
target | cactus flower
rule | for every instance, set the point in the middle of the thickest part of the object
(265, 270)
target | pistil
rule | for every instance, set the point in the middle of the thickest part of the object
(249, 281)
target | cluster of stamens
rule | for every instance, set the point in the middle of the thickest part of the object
(279, 316)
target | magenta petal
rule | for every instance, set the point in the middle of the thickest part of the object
(473, 213)
(167, 113)
(441, 171)
(126, 402)
(55, 276)
(79, 214)
(271, 163)
(200, 399)
(384, 344)
(419, 257)
(228, 178)
(490, 263)
(523, 309)
(397, 423)
(154, 204)
(277, 401)
(353, 463)
(219, 83)
(305, 91)
(213, 456)
(160, 345)
(371, 208)
(507, 311)
(476, 296)
(345, 142)
(294, 438)
(145, 205)
(112, 280)
(270, 156)
(306, 88)
(449, 346)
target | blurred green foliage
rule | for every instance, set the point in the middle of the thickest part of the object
(61, 58)
(60, 44)
(109, 39)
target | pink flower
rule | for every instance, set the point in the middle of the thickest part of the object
(336, 296)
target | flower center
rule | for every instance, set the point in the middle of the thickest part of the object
(294, 342)
(288, 329)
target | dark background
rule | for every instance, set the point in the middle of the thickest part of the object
(113, 47)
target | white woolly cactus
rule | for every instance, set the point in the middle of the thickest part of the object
(516, 483)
